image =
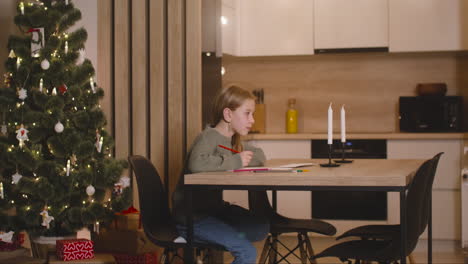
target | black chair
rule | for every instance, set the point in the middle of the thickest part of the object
(258, 203)
(156, 218)
(386, 232)
(382, 242)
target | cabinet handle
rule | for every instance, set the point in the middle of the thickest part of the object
(465, 176)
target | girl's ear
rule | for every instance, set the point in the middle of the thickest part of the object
(227, 115)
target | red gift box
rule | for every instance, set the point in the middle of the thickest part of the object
(74, 249)
(147, 258)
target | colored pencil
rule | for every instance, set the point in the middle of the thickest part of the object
(230, 149)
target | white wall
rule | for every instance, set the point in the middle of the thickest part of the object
(88, 20)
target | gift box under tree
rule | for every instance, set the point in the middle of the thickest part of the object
(75, 249)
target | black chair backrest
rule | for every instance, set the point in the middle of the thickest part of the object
(417, 206)
(428, 203)
(156, 217)
(259, 204)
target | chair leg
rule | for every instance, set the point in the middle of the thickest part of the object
(301, 243)
(274, 249)
(163, 259)
(309, 249)
(266, 248)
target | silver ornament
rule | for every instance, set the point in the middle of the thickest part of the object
(58, 127)
(45, 64)
(90, 190)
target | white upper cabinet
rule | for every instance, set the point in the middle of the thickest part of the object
(229, 27)
(269, 27)
(428, 25)
(341, 24)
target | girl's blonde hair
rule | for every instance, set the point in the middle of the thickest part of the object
(231, 97)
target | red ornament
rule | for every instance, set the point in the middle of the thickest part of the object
(63, 89)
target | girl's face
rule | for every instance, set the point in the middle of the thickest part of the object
(242, 118)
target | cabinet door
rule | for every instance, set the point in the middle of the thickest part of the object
(275, 27)
(350, 24)
(428, 25)
(229, 27)
(446, 208)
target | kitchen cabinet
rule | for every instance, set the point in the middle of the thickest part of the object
(446, 205)
(268, 27)
(229, 27)
(428, 25)
(342, 24)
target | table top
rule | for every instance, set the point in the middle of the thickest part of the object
(360, 173)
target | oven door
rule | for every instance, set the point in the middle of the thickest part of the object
(350, 205)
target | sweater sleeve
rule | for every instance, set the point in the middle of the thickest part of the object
(258, 158)
(205, 156)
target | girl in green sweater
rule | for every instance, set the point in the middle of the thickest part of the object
(215, 220)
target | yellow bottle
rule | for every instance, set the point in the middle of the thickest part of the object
(291, 117)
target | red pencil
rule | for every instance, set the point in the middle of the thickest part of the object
(230, 149)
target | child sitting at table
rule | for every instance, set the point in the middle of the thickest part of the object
(219, 148)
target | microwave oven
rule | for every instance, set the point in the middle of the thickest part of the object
(430, 113)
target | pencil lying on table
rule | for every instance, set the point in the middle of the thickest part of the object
(230, 149)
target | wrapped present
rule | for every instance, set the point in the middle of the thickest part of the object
(132, 242)
(74, 249)
(128, 219)
(11, 241)
(147, 258)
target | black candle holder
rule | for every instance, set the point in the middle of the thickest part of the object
(343, 160)
(329, 164)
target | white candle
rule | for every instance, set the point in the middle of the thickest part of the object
(66, 2)
(91, 83)
(66, 47)
(41, 85)
(68, 167)
(330, 124)
(101, 140)
(21, 5)
(343, 124)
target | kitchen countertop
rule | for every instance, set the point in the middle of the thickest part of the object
(389, 135)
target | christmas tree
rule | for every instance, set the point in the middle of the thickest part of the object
(57, 174)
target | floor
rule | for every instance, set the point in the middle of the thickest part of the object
(444, 251)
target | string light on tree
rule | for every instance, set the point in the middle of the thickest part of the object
(41, 85)
(2, 194)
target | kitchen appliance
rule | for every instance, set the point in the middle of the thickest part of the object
(430, 113)
(350, 205)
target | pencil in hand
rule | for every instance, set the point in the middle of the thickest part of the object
(230, 149)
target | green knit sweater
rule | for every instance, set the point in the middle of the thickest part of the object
(205, 155)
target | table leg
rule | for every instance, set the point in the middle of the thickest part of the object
(188, 253)
(403, 223)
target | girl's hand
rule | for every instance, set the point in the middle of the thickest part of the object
(246, 157)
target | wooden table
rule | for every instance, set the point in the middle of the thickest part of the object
(361, 175)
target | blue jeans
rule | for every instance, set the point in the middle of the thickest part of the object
(234, 229)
